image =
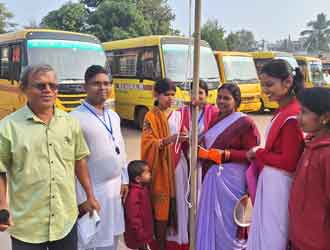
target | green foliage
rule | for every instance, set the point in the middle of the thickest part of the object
(5, 16)
(91, 3)
(120, 19)
(214, 33)
(232, 41)
(158, 14)
(70, 17)
(242, 40)
(318, 36)
(113, 19)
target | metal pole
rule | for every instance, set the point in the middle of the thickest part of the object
(194, 139)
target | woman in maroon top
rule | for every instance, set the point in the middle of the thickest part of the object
(278, 159)
(309, 206)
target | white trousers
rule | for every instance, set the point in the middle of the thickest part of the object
(112, 247)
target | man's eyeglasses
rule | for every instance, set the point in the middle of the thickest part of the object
(101, 83)
(43, 86)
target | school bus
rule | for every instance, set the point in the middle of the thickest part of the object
(326, 64)
(262, 57)
(138, 62)
(312, 70)
(68, 53)
(239, 68)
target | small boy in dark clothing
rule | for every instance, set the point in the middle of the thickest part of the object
(138, 214)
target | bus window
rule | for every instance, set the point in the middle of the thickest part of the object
(178, 60)
(149, 66)
(70, 59)
(239, 69)
(16, 62)
(123, 63)
(4, 64)
(315, 73)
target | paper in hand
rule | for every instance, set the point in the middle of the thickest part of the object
(87, 227)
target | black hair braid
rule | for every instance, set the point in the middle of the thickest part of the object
(298, 82)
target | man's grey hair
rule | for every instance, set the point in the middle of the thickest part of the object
(33, 70)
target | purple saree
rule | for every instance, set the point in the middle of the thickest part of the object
(221, 189)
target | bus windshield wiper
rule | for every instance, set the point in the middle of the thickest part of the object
(72, 79)
(236, 80)
(212, 78)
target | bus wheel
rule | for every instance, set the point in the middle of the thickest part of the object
(139, 117)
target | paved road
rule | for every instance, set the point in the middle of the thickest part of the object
(132, 139)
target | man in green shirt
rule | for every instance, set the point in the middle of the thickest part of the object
(42, 150)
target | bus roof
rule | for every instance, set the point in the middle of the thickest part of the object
(307, 58)
(232, 53)
(270, 54)
(146, 41)
(27, 33)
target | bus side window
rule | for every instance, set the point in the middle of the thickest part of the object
(113, 62)
(128, 63)
(15, 62)
(149, 65)
(4, 62)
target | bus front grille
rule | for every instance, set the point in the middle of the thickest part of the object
(69, 102)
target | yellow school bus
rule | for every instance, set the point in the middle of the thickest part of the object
(312, 70)
(262, 57)
(68, 53)
(239, 68)
(138, 62)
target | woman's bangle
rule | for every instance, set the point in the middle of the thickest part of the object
(227, 155)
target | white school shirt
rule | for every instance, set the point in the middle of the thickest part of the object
(108, 170)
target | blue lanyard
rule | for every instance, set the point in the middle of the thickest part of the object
(109, 129)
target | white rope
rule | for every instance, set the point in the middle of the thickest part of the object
(187, 198)
(187, 84)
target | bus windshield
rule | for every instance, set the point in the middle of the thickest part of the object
(70, 59)
(315, 72)
(179, 67)
(240, 69)
(291, 60)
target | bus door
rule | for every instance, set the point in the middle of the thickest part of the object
(148, 71)
(11, 61)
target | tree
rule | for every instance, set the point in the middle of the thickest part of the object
(232, 41)
(113, 19)
(213, 33)
(91, 3)
(118, 19)
(70, 17)
(159, 15)
(242, 40)
(318, 36)
(5, 17)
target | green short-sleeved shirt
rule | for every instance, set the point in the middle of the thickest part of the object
(39, 160)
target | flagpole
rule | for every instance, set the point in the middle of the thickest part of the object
(194, 133)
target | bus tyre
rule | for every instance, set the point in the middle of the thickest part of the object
(139, 117)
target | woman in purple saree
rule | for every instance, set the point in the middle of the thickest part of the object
(233, 134)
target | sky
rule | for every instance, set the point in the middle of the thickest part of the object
(269, 20)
